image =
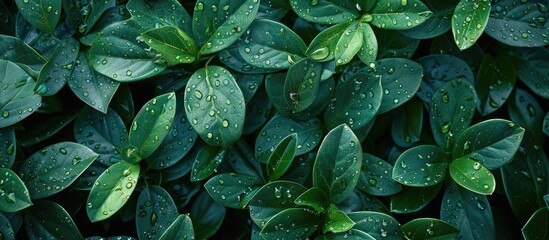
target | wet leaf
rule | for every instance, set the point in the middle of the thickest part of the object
(7, 147)
(155, 212)
(206, 163)
(231, 189)
(377, 225)
(469, 20)
(439, 22)
(55, 73)
(314, 197)
(429, 228)
(181, 228)
(375, 177)
(48, 219)
(174, 44)
(413, 199)
(398, 15)
(494, 83)
(525, 110)
(421, 166)
(43, 14)
(294, 223)
(407, 123)
(207, 216)
(15, 193)
(325, 11)
(471, 175)
(152, 14)
(273, 198)
(281, 157)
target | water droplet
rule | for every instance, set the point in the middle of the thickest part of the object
(372, 182)
(5, 114)
(278, 192)
(197, 94)
(225, 123)
(63, 151)
(476, 166)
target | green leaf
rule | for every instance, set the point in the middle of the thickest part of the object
(281, 157)
(309, 134)
(7, 147)
(368, 51)
(429, 228)
(86, 180)
(153, 14)
(377, 225)
(152, 124)
(174, 44)
(337, 221)
(439, 22)
(49, 220)
(84, 16)
(525, 180)
(232, 59)
(55, 73)
(17, 98)
(314, 197)
(398, 15)
(6, 228)
(272, 199)
(17, 51)
(473, 176)
(216, 26)
(112, 190)
(106, 134)
(421, 166)
(181, 228)
(42, 14)
(495, 81)
(452, 108)
(492, 142)
(337, 165)
(469, 212)
(520, 24)
(375, 177)
(407, 123)
(231, 189)
(301, 84)
(121, 54)
(271, 45)
(395, 45)
(323, 46)
(178, 142)
(94, 89)
(537, 225)
(413, 199)
(356, 101)
(349, 43)
(292, 223)
(54, 168)
(16, 195)
(213, 98)
(525, 110)
(400, 79)
(206, 163)
(469, 20)
(207, 216)
(530, 69)
(155, 212)
(326, 11)
(438, 69)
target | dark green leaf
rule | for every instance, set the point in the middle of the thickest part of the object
(397, 15)
(17, 98)
(105, 134)
(232, 59)
(326, 11)
(281, 157)
(213, 98)
(438, 24)
(206, 162)
(537, 226)
(292, 223)
(54, 168)
(429, 228)
(84, 16)
(174, 44)
(216, 26)
(88, 177)
(377, 225)
(520, 24)
(336, 221)
(55, 123)
(309, 134)
(273, 198)
(15, 193)
(395, 45)
(181, 228)
(469, 212)
(525, 110)
(468, 21)
(438, 69)
(6, 229)
(421, 166)
(55, 73)
(48, 220)
(152, 124)
(495, 81)
(314, 197)
(155, 212)
(43, 14)
(207, 216)
(492, 142)
(301, 84)
(230, 189)
(375, 177)
(17, 51)
(337, 165)
(452, 108)
(271, 45)
(258, 112)
(473, 176)
(323, 46)
(525, 180)
(407, 123)
(356, 101)
(112, 190)
(413, 199)
(153, 14)
(7, 147)
(445, 44)
(531, 69)
(368, 51)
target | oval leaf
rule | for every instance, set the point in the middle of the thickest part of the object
(282, 157)
(472, 176)
(377, 225)
(273, 198)
(16, 195)
(325, 11)
(375, 177)
(181, 228)
(49, 220)
(229, 189)
(154, 213)
(495, 81)
(206, 162)
(398, 15)
(42, 14)
(174, 44)
(429, 228)
(469, 20)
(301, 84)
(421, 166)
(55, 73)
(293, 223)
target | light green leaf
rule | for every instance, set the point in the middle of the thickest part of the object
(349, 44)
(42, 14)
(181, 228)
(469, 20)
(281, 157)
(301, 84)
(323, 46)
(337, 221)
(429, 228)
(326, 11)
(399, 14)
(174, 44)
(472, 176)
(273, 198)
(206, 162)
(368, 51)
(421, 166)
(292, 223)
(230, 189)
